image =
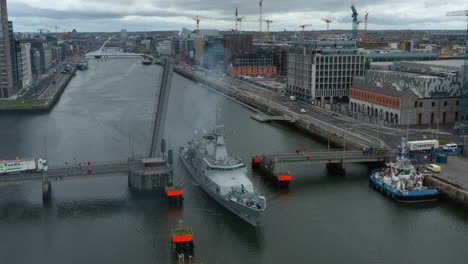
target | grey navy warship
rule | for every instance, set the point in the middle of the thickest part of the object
(221, 176)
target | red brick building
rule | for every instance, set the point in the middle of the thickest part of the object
(259, 70)
(260, 63)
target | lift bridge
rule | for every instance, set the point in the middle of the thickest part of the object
(144, 173)
(275, 165)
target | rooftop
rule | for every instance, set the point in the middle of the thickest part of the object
(450, 63)
(360, 83)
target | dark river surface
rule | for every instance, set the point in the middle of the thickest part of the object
(321, 218)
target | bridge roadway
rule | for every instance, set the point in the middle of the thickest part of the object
(72, 172)
(334, 156)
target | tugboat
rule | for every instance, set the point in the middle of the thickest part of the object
(402, 181)
(221, 176)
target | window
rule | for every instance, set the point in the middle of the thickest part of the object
(420, 104)
(415, 103)
(445, 103)
(433, 104)
(457, 103)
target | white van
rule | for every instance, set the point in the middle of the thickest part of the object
(293, 98)
(450, 147)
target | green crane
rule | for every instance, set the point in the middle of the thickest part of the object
(464, 90)
(354, 16)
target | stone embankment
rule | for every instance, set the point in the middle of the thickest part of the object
(46, 100)
(449, 190)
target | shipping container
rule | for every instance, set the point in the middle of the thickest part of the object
(423, 145)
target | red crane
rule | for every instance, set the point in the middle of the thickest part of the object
(66, 35)
(198, 24)
(328, 21)
(303, 28)
(357, 26)
(365, 29)
(40, 31)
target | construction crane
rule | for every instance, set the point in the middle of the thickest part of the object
(56, 27)
(365, 29)
(198, 24)
(328, 21)
(303, 29)
(41, 37)
(260, 19)
(354, 16)
(358, 36)
(464, 91)
(239, 19)
(268, 27)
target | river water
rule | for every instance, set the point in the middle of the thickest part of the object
(321, 218)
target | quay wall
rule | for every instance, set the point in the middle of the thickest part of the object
(50, 103)
(311, 126)
(449, 190)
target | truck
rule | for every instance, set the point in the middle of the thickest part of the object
(423, 145)
(23, 165)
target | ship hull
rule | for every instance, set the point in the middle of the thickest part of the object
(247, 214)
(422, 196)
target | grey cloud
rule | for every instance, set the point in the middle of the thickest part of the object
(338, 10)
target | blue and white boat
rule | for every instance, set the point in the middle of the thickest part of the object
(402, 181)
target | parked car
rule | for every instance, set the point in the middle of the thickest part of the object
(303, 110)
(450, 147)
(434, 168)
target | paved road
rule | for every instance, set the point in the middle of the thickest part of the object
(67, 172)
(456, 171)
(35, 91)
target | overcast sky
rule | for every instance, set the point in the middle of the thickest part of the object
(152, 15)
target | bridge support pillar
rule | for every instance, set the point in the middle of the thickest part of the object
(46, 191)
(150, 174)
(336, 168)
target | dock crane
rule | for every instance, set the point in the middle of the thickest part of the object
(198, 24)
(328, 21)
(354, 16)
(303, 29)
(464, 90)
